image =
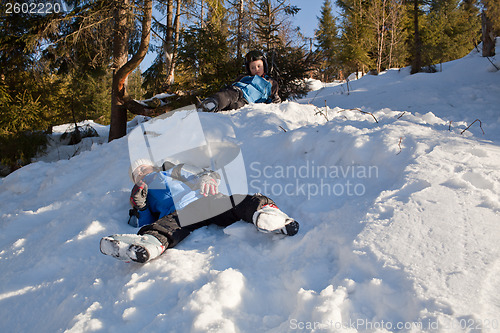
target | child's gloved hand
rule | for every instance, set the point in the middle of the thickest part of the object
(138, 195)
(133, 219)
(209, 184)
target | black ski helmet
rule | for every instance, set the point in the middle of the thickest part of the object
(252, 56)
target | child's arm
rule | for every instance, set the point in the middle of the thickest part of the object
(192, 176)
(140, 214)
(275, 97)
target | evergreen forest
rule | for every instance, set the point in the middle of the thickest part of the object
(68, 61)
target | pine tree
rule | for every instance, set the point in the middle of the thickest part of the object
(451, 31)
(204, 56)
(291, 70)
(327, 43)
(492, 10)
(355, 41)
(31, 92)
(267, 25)
(270, 17)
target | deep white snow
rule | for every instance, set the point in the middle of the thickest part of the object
(399, 213)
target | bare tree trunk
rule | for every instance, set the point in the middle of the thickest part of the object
(240, 29)
(168, 41)
(202, 18)
(393, 17)
(177, 25)
(488, 36)
(417, 55)
(268, 21)
(396, 17)
(119, 95)
(378, 16)
(120, 54)
(391, 47)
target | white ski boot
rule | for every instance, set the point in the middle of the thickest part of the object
(138, 248)
(270, 219)
(209, 104)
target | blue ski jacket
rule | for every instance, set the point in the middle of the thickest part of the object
(168, 191)
(256, 89)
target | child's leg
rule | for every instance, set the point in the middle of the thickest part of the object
(257, 209)
(219, 209)
(167, 230)
(150, 242)
(238, 101)
(223, 210)
(227, 99)
(247, 205)
(263, 212)
(173, 228)
(131, 247)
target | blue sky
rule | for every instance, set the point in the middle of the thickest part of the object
(307, 17)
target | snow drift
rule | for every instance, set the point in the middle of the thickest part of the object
(399, 210)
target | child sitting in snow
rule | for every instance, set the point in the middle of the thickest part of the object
(255, 87)
(198, 203)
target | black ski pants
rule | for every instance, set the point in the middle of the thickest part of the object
(229, 99)
(214, 209)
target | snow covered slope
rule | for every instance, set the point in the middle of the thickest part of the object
(399, 212)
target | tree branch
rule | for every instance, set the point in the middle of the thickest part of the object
(480, 125)
(125, 70)
(364, 112)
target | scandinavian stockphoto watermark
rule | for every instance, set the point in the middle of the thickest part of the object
(356, 324)
(462, 324)
(309, 179)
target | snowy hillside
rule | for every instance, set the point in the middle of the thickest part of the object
(399, 210)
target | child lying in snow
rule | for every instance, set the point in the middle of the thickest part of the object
(255, 87)
(198, 203)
